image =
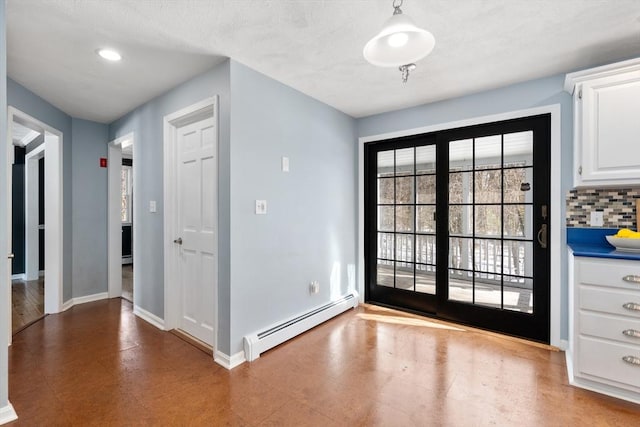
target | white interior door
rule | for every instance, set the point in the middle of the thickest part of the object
(197, 207)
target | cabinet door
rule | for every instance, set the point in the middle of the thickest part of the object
(610, 129)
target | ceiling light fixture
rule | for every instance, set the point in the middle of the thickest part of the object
(109, 54)
(400, 43)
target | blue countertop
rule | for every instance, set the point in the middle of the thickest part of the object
(591, 242)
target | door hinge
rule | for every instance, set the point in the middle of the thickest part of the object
(580, 94)
(580, 170)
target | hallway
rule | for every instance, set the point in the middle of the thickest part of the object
(97, 364)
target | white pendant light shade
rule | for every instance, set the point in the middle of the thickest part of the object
(400, 42)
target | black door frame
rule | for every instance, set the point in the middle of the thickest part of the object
(439, 305)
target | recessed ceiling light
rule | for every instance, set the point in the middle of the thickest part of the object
(109, 54)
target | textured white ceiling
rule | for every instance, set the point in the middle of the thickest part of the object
(314, 46)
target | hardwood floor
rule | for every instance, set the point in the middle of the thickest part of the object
(127, 282)
(27, 302)
(97, 364)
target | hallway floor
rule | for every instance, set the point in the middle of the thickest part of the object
(27, 302)
(98, 364)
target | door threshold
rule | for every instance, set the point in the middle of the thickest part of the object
(480, 331)
(190, 339)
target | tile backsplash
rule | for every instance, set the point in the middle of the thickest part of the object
(618, 206)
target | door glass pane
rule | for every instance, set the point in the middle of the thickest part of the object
(385, 163)
(425, 220)
(488, 186)
(488, 290)
(386, 247)
(385, 191)
(488, 152)
(460, 253)
(404, 218)
(426, 279)
(426, 159)
(404, 275)
(488, 256)
(461, 187)
(518, 148)
(404, 190)
(461, 155)
(384, 273)
(517, 257)
(518, 185)
(517, 220)
(385, 218)
(426, 188)
(518, 293)
(426, 249)
(488, 220)
(404, 247)
(404, 161)
(461, 285)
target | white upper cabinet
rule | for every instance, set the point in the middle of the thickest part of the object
(606, 125)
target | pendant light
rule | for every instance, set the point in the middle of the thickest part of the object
(400, 43)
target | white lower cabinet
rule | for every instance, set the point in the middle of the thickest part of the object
(604, 353)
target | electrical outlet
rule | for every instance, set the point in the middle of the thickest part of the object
(314, 287)
(597, 219)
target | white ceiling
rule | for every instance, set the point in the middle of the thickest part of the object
(314, 46)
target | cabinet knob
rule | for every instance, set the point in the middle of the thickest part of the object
(631, 306)
(631, 333)
(632, 360)
(631, 278)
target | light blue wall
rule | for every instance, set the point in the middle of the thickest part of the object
(521, 96)
(89, 208)
(146, 122)
(4, 189)
(31, 104)
(309, 232)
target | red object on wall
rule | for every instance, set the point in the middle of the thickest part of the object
(103, 162)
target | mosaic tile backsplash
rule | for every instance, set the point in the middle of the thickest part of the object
(618, 206)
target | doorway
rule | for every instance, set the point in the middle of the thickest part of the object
(122, 246)
(457, 225)
(191, 220)
(34, 245)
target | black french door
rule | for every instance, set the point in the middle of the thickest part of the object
(456, 225)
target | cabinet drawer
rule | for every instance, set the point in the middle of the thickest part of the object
(609, 301)
(610, 273)
(609, 327)
(604, 360)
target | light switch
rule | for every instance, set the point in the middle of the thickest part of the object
(261, 207)
(285, 164)
(152, 206)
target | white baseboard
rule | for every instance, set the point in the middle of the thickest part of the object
(85, 299)
(564, 345)
(7, 414)
(67, 305)
(229, 362)
(21, 276)
(149, 317)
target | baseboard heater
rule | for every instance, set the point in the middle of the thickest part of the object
(259, 342)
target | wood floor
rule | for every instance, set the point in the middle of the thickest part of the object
(127, 282)
(97, 364)
(27, 302)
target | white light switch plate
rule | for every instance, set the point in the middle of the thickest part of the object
(285, 164)
(152, 206)
(261, 207)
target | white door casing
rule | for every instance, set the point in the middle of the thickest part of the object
(53, 200)
(191, 184)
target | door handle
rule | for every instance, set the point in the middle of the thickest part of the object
(542, 236)
(178, 240)
(11, 256)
